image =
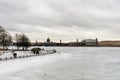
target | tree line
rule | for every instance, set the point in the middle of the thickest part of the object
(21, 40)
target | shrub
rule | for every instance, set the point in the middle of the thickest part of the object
(35, 50)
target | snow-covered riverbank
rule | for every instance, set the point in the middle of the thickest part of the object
(9, 55)
(12, 66)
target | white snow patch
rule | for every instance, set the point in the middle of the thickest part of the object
(18, 64)
(19, 53)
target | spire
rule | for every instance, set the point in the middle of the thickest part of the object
(77, 40)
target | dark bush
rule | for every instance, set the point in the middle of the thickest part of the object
(35, 50)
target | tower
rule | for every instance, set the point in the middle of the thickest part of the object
(96, 41)
(60, 41)
(77, 40)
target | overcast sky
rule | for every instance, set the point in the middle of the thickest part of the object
(62, 19)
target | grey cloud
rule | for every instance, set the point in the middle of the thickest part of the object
(87, 15)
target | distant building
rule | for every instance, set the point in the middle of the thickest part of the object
(109, 43)
(74, 44)
(48, 40)
(49, 43)
(89, 42)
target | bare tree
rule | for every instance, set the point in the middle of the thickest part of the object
(5, 38)
(22, 41)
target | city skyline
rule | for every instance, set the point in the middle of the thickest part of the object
(67, 20)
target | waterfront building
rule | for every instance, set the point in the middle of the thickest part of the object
(89, 42)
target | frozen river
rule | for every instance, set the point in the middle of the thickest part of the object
(76, 63)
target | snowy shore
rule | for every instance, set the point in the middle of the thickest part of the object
(12, 66)
(8, 55)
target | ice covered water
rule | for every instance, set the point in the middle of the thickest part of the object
(75, 63)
